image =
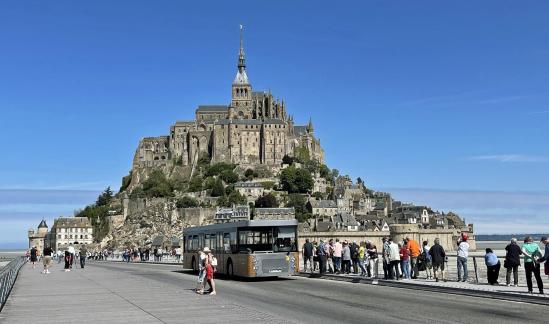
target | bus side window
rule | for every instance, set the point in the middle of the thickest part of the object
(195, 242)
(227, 243)
(220, 241)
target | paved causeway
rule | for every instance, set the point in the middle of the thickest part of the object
(146, 293)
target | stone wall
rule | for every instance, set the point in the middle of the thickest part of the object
(448, 237)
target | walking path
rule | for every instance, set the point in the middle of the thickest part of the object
(99, 295)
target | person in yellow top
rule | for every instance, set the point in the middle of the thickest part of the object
(415, 251)
(362, 258)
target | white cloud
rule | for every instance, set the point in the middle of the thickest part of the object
(509, 158)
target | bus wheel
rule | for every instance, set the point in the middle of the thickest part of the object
(193, 264)
(230, 269)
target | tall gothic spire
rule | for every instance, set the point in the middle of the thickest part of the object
(241, 77)
(241, 58)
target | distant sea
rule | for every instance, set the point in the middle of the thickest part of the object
(507, 237)
(7, 254)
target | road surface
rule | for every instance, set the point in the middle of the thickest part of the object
(149, 293)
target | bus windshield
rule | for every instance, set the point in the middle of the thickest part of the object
(275, 239)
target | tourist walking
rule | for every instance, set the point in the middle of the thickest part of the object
(532, 253)
(46, 258)
(415, 251)
(346, 258)
(394, 260)
(202, 255)
(68, 261)
(83, 255)
(405, 260)
(210, 264)
(462, 255)
(338, 249)
(33, 256)
(426, 258)
(373, 261)
(512, 261)
(178, 253)
(545, 257)
(492, 267)
(72, 251)
(307, 255)
(438, 257)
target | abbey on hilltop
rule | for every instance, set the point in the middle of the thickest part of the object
(254, 128)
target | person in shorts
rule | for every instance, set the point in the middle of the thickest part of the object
(202, 255)
(34, 256)
(438, 257)
(46, 260)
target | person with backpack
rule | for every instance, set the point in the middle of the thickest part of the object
(321, 253)
(425, 257)
(354, 256)
(34, 256)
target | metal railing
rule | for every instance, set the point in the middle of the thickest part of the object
(476, 268)
(8, 274)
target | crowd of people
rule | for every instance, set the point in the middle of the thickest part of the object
(407, 259)
(399, 260)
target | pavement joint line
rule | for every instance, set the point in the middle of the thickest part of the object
(125, 299)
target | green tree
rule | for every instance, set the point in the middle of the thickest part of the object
(218, 189)
(195, 184)
(250, 174)
(105, 197)
(263, 171)
(286, 159)
(209, 183)
(318, 195)
(218, 168)
(157, 185)
(203, 159)
(300, 205)
(266, 201)
(229, 176)
(186, 202)
(295, 180)
(236, 198)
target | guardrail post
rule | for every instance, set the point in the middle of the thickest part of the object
(476, 269)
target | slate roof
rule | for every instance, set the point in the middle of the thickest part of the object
(300, 130)
(212, 108)
(324, 226)
(323, 204)
(43, 224)
(72, 222)
(346, 219)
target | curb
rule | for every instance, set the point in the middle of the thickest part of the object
(531, 299)
(146, 262)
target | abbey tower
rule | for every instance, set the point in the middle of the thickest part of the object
(253, 129)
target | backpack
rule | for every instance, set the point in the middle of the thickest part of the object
(320, 250)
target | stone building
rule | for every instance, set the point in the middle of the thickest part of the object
(282, 213)
(322, 207)
(39, 237)
(250, 190)
(233, 214)
(71, 230)
(254, 128)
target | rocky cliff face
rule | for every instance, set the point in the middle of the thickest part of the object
(144, 219)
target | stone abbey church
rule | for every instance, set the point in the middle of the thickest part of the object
(254, 128)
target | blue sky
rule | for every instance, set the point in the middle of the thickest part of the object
(417, 97)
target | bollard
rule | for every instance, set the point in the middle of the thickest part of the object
(476, 270)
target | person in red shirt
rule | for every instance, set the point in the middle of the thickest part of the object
(405, 260)
(415, 251)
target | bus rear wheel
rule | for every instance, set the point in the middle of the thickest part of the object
(230, 269)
